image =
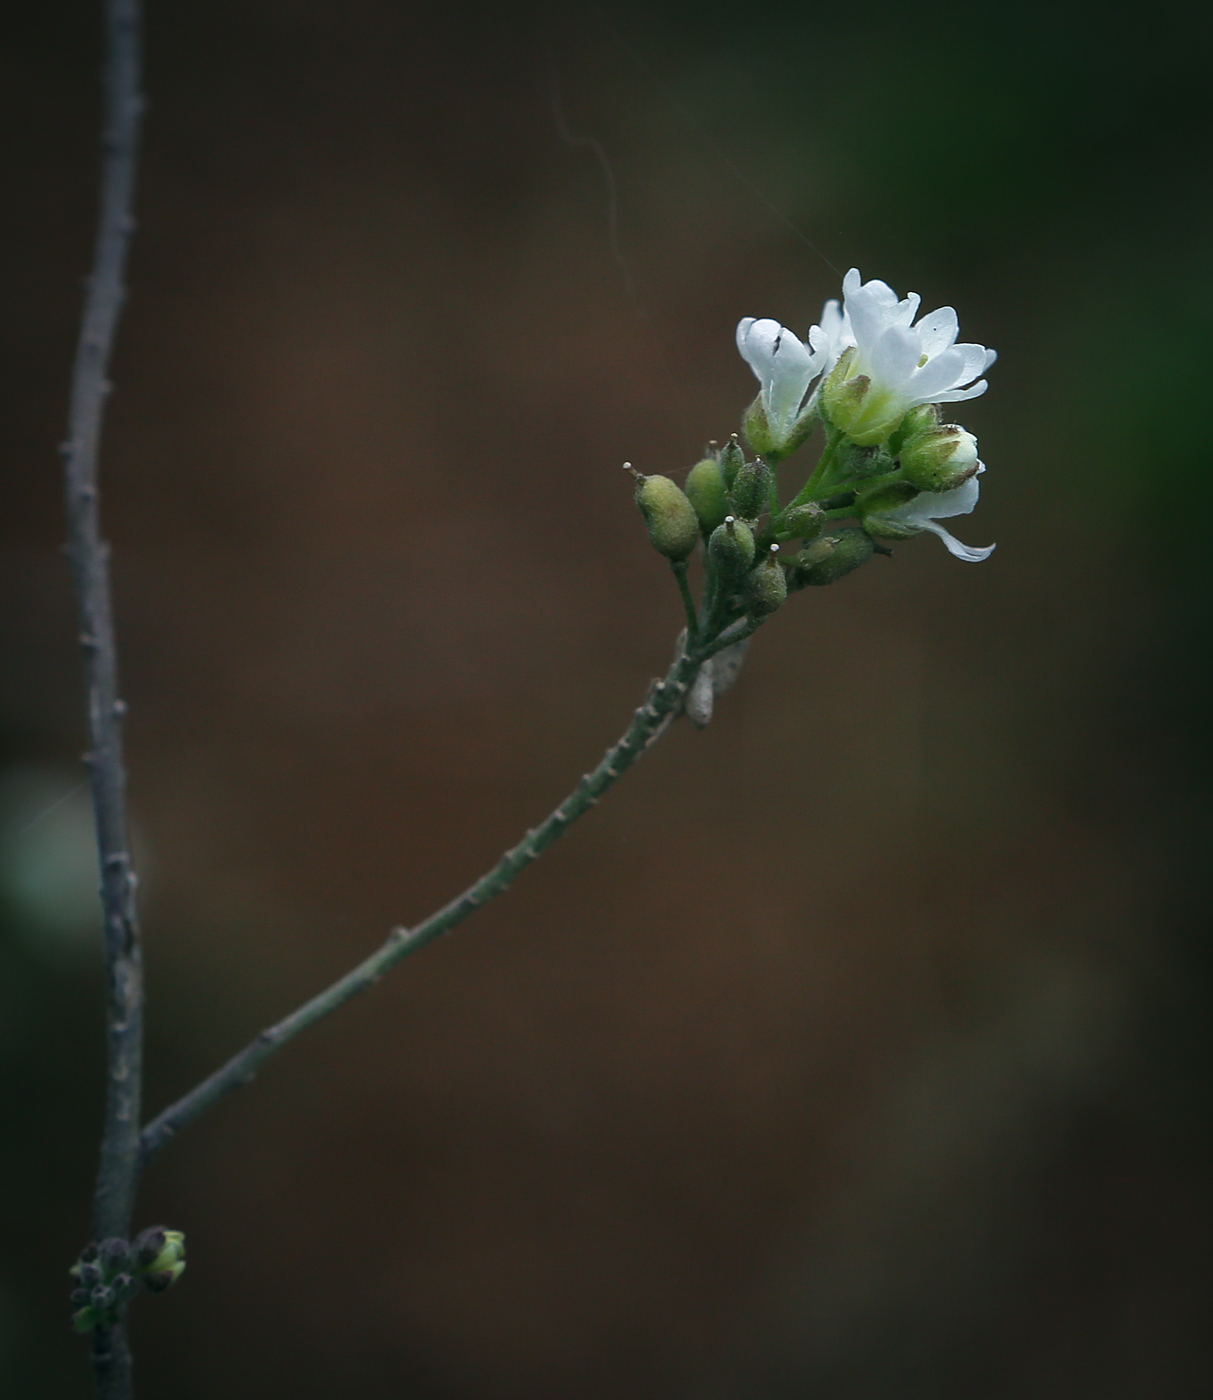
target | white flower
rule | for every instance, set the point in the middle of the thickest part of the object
(832, 336)
(928, 507)
(893, 364)
(785, 368)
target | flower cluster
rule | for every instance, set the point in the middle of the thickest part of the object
(107, 1276)
(873, 378)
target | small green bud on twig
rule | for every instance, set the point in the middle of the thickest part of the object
(940, 458)
(731, 548)
(751, 489)
(705, 489)
(673, 524)
(766, 586)
(158, 1248)
(113, 1256)
(732, 459)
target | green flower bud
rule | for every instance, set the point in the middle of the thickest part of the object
(918, 420)
(802, 522)
(766, 587)
(85, 1320)
(732, 459)
(731, 548)
(705, 489)
(751, 489)
(832, 557)
(673, 524)
(158, 1248)
(940, 459)
(160, 1279)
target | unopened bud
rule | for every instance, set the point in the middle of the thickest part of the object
(832, 557)
(160, 1279)
(673, 524)
(85, 1320)
(158, 1248)
(731, 548)
(918, 420)
(88, 1274)
(732, 459)
(705, 489)
(766, 587)
(751, 489)
(113, 1256)
(941, 458)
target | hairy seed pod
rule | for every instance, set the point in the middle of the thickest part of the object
(673, 524)
(705, 489)
(731, 548)
(751, 489)
(766, 587)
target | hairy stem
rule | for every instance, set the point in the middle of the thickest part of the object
(663, 703)
(118, 1173)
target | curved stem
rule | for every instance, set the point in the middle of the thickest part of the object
(650, 721)
(118, 1172)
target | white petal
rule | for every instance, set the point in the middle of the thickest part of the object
(959, 395)
(793, 369)
(756, 339)
(938, 505)
(893, 358)
(907, 309)
(971, 554)
(940, 373)
(937, 330)
(977, 360)
(871, 306)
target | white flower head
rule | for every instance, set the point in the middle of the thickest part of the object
(892, 363)
(928, 508)
(785, 368)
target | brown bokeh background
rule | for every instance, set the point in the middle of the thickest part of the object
(857, 1046)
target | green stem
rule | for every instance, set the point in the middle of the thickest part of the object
(688, 602)
(649, 722)
(817, 481)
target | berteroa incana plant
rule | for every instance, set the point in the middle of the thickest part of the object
(868, 381)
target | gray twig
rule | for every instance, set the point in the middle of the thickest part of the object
(118, 1173)
(662, 704)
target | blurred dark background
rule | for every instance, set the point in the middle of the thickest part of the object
(856, 1047)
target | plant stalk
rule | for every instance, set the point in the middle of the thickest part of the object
(118, 1172)
(649, 722)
